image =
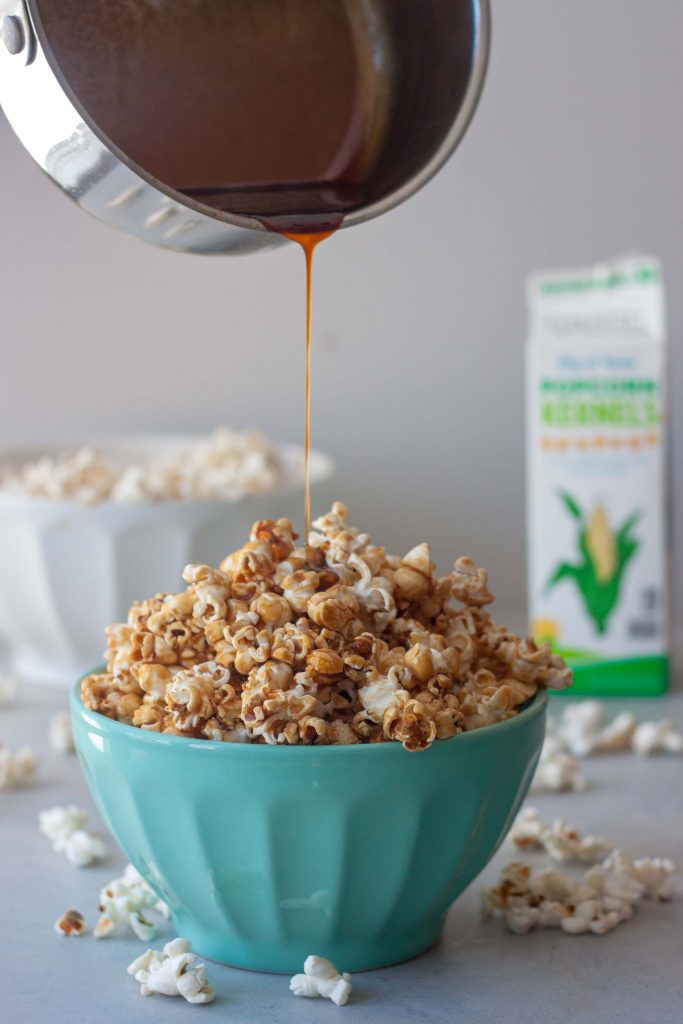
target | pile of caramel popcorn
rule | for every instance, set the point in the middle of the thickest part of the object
(333, 642)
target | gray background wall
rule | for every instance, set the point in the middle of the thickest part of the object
(575, 155)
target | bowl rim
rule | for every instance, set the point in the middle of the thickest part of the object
(149, 443)
(534, 708)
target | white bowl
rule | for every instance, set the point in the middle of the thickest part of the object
(67, 569)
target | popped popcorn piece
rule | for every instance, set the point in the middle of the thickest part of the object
(321, 978)
(60, 734)
(583, 729)
(122, 903)
(83, 849)
(63, 826)
(565, 843)
(580, 725)
(598, 916)
(557, 770)
(83, 475)
(657, 737)
(227, 465)
(616, 735)
(72, 923)
(59, 821)
(16, 768)
(655, 873)
(380, 694)
(603, 898)
(616, 878)
(8, 689)
(331, 642)
(527, 829)
(629, 879)
(513, 885)
(174, 971)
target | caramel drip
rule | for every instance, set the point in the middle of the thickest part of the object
(308, 242)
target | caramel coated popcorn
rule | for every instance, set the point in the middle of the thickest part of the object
(71, 923)
(597, 902)
(333, 642)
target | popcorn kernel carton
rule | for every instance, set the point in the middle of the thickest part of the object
(596, 513)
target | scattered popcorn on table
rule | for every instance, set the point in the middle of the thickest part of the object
(657, 738)
(598, 916)
(527, 830)
(16, 768)
(333, 642)
(616, 735)
(71, 923)
(557, 770)
(655, 873)
(63, 826)
(172, 972)
(59, 733)
(583, 729)
(597, 902)
(321, 978)
(122, 903)
(616, 878)
(579, 724)
(629, 879)
(561, 841)
(227, 465)
(565, 843)
(8, 689)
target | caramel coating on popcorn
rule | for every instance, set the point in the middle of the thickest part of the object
(71, 923)
(333, 642)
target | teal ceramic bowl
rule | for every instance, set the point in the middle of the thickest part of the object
(266, 854)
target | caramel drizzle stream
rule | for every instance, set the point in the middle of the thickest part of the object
(308, 242)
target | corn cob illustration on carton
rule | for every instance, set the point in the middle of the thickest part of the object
(596, 473)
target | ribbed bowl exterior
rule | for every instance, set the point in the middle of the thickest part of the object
(267, 854)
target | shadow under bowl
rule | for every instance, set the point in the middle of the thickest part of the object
(266, 854)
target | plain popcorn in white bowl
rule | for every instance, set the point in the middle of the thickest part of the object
(121, 519)
(226, 466)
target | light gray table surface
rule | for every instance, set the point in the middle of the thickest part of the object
(477, 973)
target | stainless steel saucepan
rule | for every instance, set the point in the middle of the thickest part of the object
(197, 125)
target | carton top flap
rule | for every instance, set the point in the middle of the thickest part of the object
(622, 299)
